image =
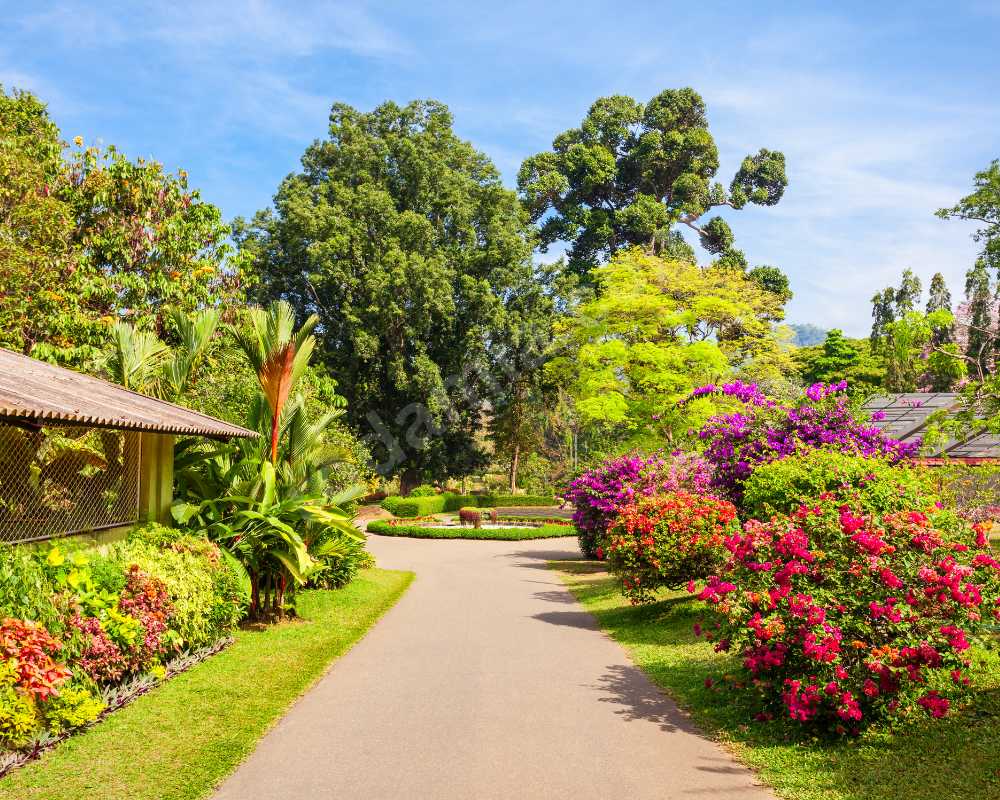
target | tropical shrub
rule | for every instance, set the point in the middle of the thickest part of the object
(876, 484)
(25, 591)
(764, 431)
(423, 490)
(598, 494)
(843, 618)
(73, 707)
(667, 540)
(202, 585)
(470, 516)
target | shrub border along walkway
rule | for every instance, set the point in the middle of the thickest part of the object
(181, 739)
(923, 760)
(384, 528)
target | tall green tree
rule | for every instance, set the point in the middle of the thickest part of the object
(982, 207)
(908, 293)
(403, 240)
(939, 299)
(840, 358)
(632, 172)
(883, 315)
(89, 238)
(979, 312)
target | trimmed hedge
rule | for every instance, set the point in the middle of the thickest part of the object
(383, 528)
(435, 504)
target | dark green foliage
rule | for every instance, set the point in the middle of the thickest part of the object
(446, 501)
(908, 293)
(883, 315)
(548, 531)
(631, 171)
(980, 300)
(404, 241)
(839, 358)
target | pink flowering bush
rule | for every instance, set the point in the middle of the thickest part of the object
(599, 494)
(667, 540)
(764, 431)
(842, 618)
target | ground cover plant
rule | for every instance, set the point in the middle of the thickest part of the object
(546, 531)
(77, 628)
(921, 760)
(181, 739)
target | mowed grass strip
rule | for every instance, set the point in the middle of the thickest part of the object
(185, 736)
(382, 528)
(957, 757)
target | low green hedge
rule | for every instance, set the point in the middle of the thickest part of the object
(435, 504)
(383, 528)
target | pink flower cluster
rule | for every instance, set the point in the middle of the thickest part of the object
(849, 618)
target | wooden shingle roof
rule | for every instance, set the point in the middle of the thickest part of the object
(35, 392)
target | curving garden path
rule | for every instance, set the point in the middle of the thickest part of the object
(486, 680)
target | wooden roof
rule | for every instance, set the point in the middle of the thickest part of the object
(34, 392)
(905, 418)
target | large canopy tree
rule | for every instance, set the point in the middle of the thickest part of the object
(402, 239)
(631, 172)
(89, 238)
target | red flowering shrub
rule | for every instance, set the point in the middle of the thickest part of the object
(842, 618)
(32, 648)
(99, 656)
(667, 540)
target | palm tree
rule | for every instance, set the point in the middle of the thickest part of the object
(139, 361)
(278, 354)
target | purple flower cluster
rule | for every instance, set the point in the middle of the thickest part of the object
(737, 442)
(747, 393)
(600, 493)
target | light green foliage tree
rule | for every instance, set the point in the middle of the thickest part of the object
(633, 171)
(914, 361)
(979, 314)
(402, 239)
(93, 238)
(656, 330)
(840, 358)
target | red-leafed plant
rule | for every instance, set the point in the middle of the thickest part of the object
(842, 618)
(32, 648)
(667, 540)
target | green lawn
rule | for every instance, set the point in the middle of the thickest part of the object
(958, 757)
(383, 528)
(183, 738)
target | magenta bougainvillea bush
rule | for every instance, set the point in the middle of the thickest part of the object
(599, 494)
(841, 619)
(765, 431)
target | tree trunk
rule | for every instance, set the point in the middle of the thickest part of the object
(409, 479)
(514, 461)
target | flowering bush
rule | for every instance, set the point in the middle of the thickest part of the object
(598, 494)
(766, 431)
(876, 484)
(668, 540)
(842, 618)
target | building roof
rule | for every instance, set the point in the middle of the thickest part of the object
(905, 418)
(35, 392)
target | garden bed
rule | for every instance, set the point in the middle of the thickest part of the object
(487, 531)
(925, 760)
(181, 739)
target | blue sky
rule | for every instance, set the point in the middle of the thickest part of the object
(884, 110)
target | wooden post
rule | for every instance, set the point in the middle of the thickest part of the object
(156, 477)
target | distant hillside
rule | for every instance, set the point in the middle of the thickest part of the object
(807, 334)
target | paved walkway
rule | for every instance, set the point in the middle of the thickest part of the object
(486, 680)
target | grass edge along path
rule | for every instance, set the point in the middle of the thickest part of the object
(383, 528)
(184, 737)
(956, 757)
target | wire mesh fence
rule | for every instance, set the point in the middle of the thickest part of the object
(60, 480)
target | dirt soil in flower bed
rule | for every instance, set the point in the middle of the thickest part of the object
(956, 757)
